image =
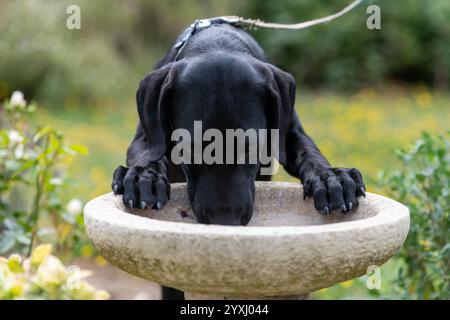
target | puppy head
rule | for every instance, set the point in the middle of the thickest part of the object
(222, 92)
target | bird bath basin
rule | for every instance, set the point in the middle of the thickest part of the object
(287, 250)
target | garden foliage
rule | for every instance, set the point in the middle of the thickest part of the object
(43, 276)
(422, 184)
(33, 160)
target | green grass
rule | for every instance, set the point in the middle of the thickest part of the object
(360, 130)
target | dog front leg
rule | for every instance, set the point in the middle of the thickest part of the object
(332, 188)
(144, 184)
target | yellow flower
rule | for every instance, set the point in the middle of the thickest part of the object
(347, 284)
(14, 263)
(86, 251)
(100, 261)
(83, 291)
(17, 289)
(425, 244)
(5, 272)
(423, 97)
(51, 272)
(40, 253)
(75, 277)
(64, 230)
(102, 295)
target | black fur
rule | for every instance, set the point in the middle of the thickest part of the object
(223, 78)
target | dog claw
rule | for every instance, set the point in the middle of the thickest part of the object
(350, 206)
(363, 191)
(143, 205)
(115, 188)
(130, 203)
(158, 205)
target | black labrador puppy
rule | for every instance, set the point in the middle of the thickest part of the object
(222, 78)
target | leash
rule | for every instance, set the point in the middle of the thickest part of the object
(296, 26)
(237, 21)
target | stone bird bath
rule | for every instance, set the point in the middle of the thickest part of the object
(287, 251)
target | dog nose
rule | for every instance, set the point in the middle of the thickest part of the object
(225, 215)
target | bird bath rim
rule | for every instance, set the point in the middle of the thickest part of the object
(141, 221)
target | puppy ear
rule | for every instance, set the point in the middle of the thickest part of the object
(153, 99)
(281, 90)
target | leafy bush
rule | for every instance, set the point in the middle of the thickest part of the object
(52, 63)
(411, 46)
(422, 184)
(43, 276)
(32, 162)
(118, 44)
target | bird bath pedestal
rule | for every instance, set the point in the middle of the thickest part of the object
(287, 251)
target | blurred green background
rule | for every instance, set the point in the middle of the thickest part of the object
(373, 90)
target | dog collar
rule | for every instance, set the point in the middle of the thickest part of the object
(201, 24)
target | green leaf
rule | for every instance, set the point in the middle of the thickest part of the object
(23, 239)
(12, 165)
(4, 138)
(11, 225)
(26, 165)
(41, 133)
(7, 242)
(80, 149)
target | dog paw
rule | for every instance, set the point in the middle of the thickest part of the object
(335, 189)
(142, 187)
